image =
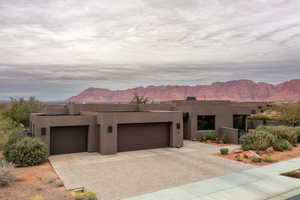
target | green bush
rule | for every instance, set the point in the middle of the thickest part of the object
(282, 145)
(26, 152)
(256, 159)
(269, 159)
(224, 151)
(36, 197)
(3, 140)
(7, 125)
(13, 138)
(257, 140)
(281, 132)
(209, 136)
(19, 110)
(7, 175)
(85, 196)
(297, 129)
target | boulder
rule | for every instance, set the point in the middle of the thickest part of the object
(270, 150)
(251, 154)
(237, 151)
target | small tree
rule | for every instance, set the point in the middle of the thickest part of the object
(140, 99)
(19, 110)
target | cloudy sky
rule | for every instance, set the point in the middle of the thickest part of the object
(55, 49)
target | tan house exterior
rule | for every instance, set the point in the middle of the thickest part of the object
(112, 128)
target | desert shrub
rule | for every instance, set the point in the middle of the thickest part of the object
(85, 196)
(59, 184)
(239, 157)
(7, 125)
(282, 145)
(297, 129)
(269, 159)
(224, 151)
(209, 136)
(13, 138)
(19, 110)
(257, 140)
(26, 152)
(256, 159)
(7, 175)
(281, 132)
(36, 197)
(3, 140)
(259, 117)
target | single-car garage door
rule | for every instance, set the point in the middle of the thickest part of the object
(143, 136)
(68, 139)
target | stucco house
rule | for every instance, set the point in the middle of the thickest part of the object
(112, 128)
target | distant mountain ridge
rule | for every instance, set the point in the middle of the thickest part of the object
(236, 90)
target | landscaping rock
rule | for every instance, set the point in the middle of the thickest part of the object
(238, 151)
(270, 150)
(251, 154)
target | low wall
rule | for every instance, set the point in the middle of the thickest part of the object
(253, 123)
(229, 135)
(275, 123)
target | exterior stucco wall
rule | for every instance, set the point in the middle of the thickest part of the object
(57, 110)
(77, 108)
(40, 121)
(222, 110)
(99, 117)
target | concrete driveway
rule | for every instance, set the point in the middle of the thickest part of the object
(133, 173)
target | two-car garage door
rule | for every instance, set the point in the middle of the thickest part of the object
(68, 139)
(143, 136)
(72, 139)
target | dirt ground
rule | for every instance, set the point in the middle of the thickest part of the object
(37, 180)
(277, 156)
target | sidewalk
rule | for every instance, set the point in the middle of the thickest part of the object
(254, 184)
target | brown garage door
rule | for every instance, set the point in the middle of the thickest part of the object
(68, 139)
(143, 136)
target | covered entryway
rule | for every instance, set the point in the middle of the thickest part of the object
(68, 139)
(143, 136)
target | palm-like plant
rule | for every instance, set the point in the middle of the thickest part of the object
(139, 99)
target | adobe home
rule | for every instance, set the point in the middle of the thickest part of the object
(112, 128)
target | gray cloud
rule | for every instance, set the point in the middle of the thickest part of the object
(62, 47)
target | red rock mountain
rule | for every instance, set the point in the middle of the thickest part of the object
(239, 90)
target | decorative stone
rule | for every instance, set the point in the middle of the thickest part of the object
(251, 154)
(270, 150)
(237, 151)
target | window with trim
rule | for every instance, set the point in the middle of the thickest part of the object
(206, 122)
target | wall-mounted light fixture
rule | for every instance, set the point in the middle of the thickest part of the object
(178, 126)
(110, 129)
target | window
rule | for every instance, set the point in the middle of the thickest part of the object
(206, 122)
(239, 122)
